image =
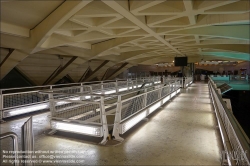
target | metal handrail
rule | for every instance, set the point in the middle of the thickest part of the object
(25, 98)
(43, 86)
(28, 139)
(241, 142)
(15, 143)
(142, 106)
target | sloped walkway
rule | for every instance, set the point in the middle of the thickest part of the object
(183, 132)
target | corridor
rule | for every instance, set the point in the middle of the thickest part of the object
(183, 132)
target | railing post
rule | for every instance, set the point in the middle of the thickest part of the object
(175, 86)
(116, 86)
(104, 122)
(169, 87)
(127, 84)
(51, 104)
(1, 106)
(181, 83)
(28, 141)
(185, 82)
(145, 98)
(145, 102)
(91, 91)
(102, 91)
(15, 144)
(116, 129)
(219, 91)
(81, 91)
(160, 96)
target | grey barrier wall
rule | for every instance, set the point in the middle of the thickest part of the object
(234, 139)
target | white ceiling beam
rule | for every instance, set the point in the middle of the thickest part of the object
(136, 5)
(14, 58)
(14, 30)
(114, 5)
(207, 5)
(98, 49)
(81, 45)
(189, 8)
(47, 27)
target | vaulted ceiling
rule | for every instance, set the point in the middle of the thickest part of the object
(47, 40)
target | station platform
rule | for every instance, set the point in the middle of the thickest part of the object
(181, 132)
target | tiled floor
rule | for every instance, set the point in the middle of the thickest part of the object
(183, 132)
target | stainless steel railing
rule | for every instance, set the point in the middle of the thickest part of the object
(28, 140)
(233, 137)
(27, 143)
(87, 106)
(26, 97)
(132, 110)
(15, 143)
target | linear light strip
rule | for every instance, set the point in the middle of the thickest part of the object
(77, 128)
(133, 121)
(137, 118)
(18, 111)
(166, 99)
(154, 107)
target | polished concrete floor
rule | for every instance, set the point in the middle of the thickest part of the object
(183, 132)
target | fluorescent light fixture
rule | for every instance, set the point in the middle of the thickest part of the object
(174, 93)
(23, 110)
(82, 115)
(154, 107)
(63, 102)
(76, 128)
(186, 85)
(133, 121)
(87, 97)
(178, 90)
(122, 89)
(109, 92)
(157, 82)
(166, 99)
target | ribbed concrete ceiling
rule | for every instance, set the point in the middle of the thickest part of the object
(125, 32)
